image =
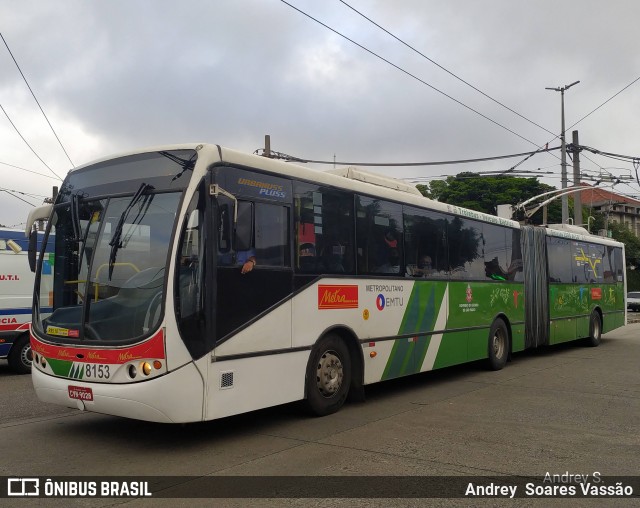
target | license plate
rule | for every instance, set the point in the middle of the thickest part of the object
(80, 393)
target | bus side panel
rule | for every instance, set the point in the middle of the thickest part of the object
(453, 349)
(474, 306)
(247, 384)
(615, 309)
(566, 303)
(571, 306)
(176, 397)
(270, 332)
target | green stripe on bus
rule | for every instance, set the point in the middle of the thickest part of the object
(407, 355)
(60, 367)
(399, 359)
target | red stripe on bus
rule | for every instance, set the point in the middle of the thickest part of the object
(152, 348)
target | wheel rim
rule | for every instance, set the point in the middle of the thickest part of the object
(596, 329)
(329, 374)
(26, 356)
(498, 344)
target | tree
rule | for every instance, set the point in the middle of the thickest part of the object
(483, 193)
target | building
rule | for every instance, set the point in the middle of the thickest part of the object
(619, 208)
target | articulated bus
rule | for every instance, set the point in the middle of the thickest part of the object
(193, 282)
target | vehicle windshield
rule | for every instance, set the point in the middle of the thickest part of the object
(105, 272)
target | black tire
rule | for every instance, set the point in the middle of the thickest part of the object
(595, 330)
(498, 345)
(328, 376)
(20, 357)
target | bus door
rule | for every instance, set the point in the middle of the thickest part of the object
(261, 238)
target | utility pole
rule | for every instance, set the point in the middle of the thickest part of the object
(563, 161)
(577, 199)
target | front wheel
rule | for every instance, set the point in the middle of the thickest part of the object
(498, 347)
(595, 330)
(328, 376)
(20, 357)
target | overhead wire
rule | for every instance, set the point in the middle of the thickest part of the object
(17, 197)
(444, 68)
(292, 158)
(585, 116)
(610, 98)
(512, 168)
(29, 194)
(27, 143)
(29, 171)
(397, 67)
(37, 102)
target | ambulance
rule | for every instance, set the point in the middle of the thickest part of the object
(16, 296)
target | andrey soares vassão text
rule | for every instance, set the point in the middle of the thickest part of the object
(554, 485)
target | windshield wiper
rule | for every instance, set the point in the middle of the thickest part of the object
(187, 164)
(75, 218)
(116, 239)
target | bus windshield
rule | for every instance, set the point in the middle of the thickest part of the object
(108, 260)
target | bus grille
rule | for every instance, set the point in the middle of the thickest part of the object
(226, 379)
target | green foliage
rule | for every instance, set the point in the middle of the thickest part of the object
(631, 243)
(483, 193)
(633, 279)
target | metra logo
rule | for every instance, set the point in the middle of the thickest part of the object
(8, 320)
(125, 357)
(337, 297)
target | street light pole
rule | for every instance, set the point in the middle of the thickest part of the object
(563, 160)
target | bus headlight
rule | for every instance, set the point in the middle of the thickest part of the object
(133, 372)
(146, 368)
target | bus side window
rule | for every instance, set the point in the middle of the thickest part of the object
(379, 236)
(324, 236)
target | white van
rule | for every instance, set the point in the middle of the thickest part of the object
(16, 296)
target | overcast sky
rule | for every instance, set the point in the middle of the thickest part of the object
(118, 75)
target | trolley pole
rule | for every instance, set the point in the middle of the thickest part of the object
(563, 160)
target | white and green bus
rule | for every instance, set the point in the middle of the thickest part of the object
(194, 282)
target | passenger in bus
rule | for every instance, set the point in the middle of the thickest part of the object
(246, 259)
(388, 255)
(392, 264)
(307, 258)
(333, 258)
(424, 267)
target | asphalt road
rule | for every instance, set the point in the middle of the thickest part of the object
(564, 409)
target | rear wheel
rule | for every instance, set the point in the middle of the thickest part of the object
(498, 345)
(595, 330)
(328, 376)
(20, 357)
